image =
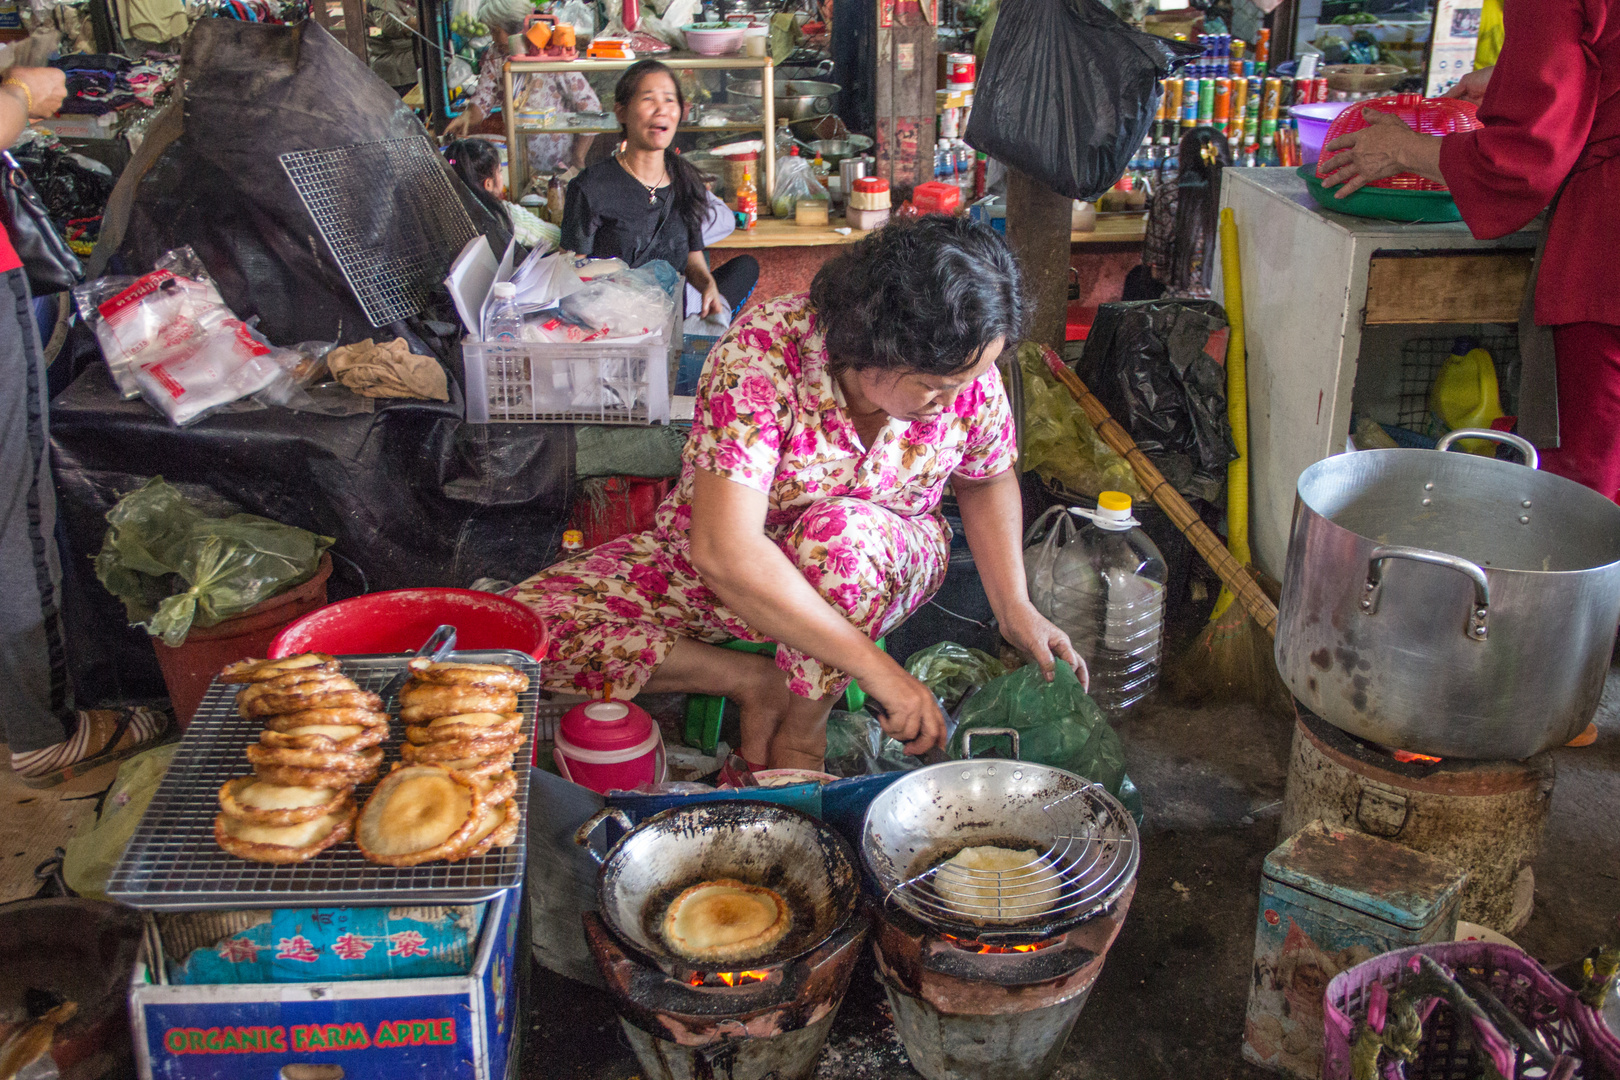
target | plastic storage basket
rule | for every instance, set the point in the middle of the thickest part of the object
(588, 382)
(1446, 1052)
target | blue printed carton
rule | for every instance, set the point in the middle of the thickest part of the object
(451, 1026)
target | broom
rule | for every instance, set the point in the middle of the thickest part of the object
(1232, 658)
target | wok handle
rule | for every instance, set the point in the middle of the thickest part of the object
(1478, 615)
(582, 835)
(1522, 445)
(1011, 733)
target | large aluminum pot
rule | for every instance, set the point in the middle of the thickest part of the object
(1447, 603)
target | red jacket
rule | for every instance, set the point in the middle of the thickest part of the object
(1552, 110)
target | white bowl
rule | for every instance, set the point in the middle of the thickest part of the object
(714, 42)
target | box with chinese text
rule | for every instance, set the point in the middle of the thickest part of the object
(450, 1027)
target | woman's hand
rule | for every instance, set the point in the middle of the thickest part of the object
(1034, 635)
(713, 302)
(910, 712)
(47, 89)
(1384, 147)
(1471, 87)
(462, 125)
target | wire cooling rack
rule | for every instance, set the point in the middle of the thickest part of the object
(173, 864)
(388, 213)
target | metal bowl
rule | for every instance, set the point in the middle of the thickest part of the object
(796, 99)
(1082, 834)
(833, 151)
(759, 843)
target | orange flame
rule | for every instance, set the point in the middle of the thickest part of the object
(1406, 757)
(995, 950)
(730, 978)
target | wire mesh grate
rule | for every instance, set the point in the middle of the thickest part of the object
(389, 216)
(1422, 358)
(173, 864)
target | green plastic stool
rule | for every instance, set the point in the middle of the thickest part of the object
(705, 711)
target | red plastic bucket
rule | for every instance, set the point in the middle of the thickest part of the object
(189, 668)
(401, 620)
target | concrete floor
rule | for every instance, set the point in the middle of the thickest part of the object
(1171, 999)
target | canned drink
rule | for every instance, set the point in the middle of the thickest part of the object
(1206, 100)
(1173, 95)
(1271, 104)
(1189, 104)
(1319, 89)
(1223, 102)
(1240, 106)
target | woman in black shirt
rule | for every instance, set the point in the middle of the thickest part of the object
(646, 203)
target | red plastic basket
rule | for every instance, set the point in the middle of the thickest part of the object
(1446, 1053)
(1430, 116)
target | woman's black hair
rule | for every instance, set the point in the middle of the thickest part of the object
(688, 190)
(476, 160)
(1204, 153)
(925, 295)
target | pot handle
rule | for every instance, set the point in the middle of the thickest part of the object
(582, 835)
(1522, 445)
(1477, 615)
(1011, 733)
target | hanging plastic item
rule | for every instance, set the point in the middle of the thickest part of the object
(1067, 91)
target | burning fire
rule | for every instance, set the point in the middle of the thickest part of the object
(995, 950)
(729, 978)
(1406, 757)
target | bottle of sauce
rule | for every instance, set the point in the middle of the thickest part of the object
(747, 201)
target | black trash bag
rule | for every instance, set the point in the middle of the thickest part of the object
(253, 92)
(1067, 92)
(1147, 361)
(73, 187)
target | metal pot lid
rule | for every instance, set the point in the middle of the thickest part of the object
(1086, 845)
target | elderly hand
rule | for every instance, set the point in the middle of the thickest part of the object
(713, 302)
(910, 713)
(1032, 634)
(1384, 147)
(1471, 87)
(46, 89)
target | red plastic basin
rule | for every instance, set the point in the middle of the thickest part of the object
(401, 620)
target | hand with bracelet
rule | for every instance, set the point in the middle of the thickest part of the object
(40, 91)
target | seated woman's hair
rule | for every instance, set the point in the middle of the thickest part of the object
(507, 15)
(476, 160)
(925, 295)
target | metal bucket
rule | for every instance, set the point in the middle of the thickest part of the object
(1449, 604)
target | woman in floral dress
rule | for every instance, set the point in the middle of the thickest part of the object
(825, 431)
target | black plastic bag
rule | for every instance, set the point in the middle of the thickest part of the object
(1067, 92)
(1147, 361)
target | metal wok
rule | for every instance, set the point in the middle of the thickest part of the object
(781, 849)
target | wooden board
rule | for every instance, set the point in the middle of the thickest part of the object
(774, 232)
(1446, 288)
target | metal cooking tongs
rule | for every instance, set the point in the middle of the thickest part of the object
(440, 644)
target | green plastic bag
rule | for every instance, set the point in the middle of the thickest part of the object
(1060, 443)
(93, 854)
(1057, 723)
(175, 568)
(951, 671)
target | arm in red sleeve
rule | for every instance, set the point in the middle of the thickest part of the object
(1537, 114)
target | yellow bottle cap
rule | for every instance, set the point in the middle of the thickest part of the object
(573, 538)
(1114, 500)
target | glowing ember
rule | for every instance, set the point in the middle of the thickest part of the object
(996, 950)
(728, 978)
(1406, 757)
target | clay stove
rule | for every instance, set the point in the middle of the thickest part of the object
(1484, 816)
(728, 1025)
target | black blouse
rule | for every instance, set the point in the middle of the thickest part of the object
(607, 215)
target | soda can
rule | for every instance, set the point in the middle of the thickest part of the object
(1189, 104)
(1206, 100)
(1173, 96)
(1319, 89)
(1271, 104)
(1223, 102)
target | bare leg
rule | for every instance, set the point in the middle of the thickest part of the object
(800, 740)
(752, 680)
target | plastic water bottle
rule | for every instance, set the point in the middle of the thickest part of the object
(508, 363)
(504, 321)
(1121, 607)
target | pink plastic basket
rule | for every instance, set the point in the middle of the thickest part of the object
(1523, 985)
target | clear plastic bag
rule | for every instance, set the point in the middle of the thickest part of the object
(134, 319)
(628, 303)
(1063, 586)
(856, 746)
(795, 180)
(186, 382)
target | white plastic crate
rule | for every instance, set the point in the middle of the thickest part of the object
(594, 382)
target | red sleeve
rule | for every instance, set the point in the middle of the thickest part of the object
(1537, 114)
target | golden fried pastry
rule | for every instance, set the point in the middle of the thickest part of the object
(461, 749)
(282, 843)
(492, 676)
(418, 814)
(251, 671)
(420, 704)
(294, 701)
(495, 787)
(306, 717)
(465, 726)
(337, 738)
(497, 827)
(259, 802)
(474, 769)
(297, 776)
(725, 921)
(998, 884)
(359, 761)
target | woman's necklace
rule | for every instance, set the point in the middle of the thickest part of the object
(652, 189)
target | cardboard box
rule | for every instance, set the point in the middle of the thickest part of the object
(455, 1027)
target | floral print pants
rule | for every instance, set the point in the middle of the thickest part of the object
(615, 611)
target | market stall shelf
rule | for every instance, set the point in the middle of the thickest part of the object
(173, 864)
